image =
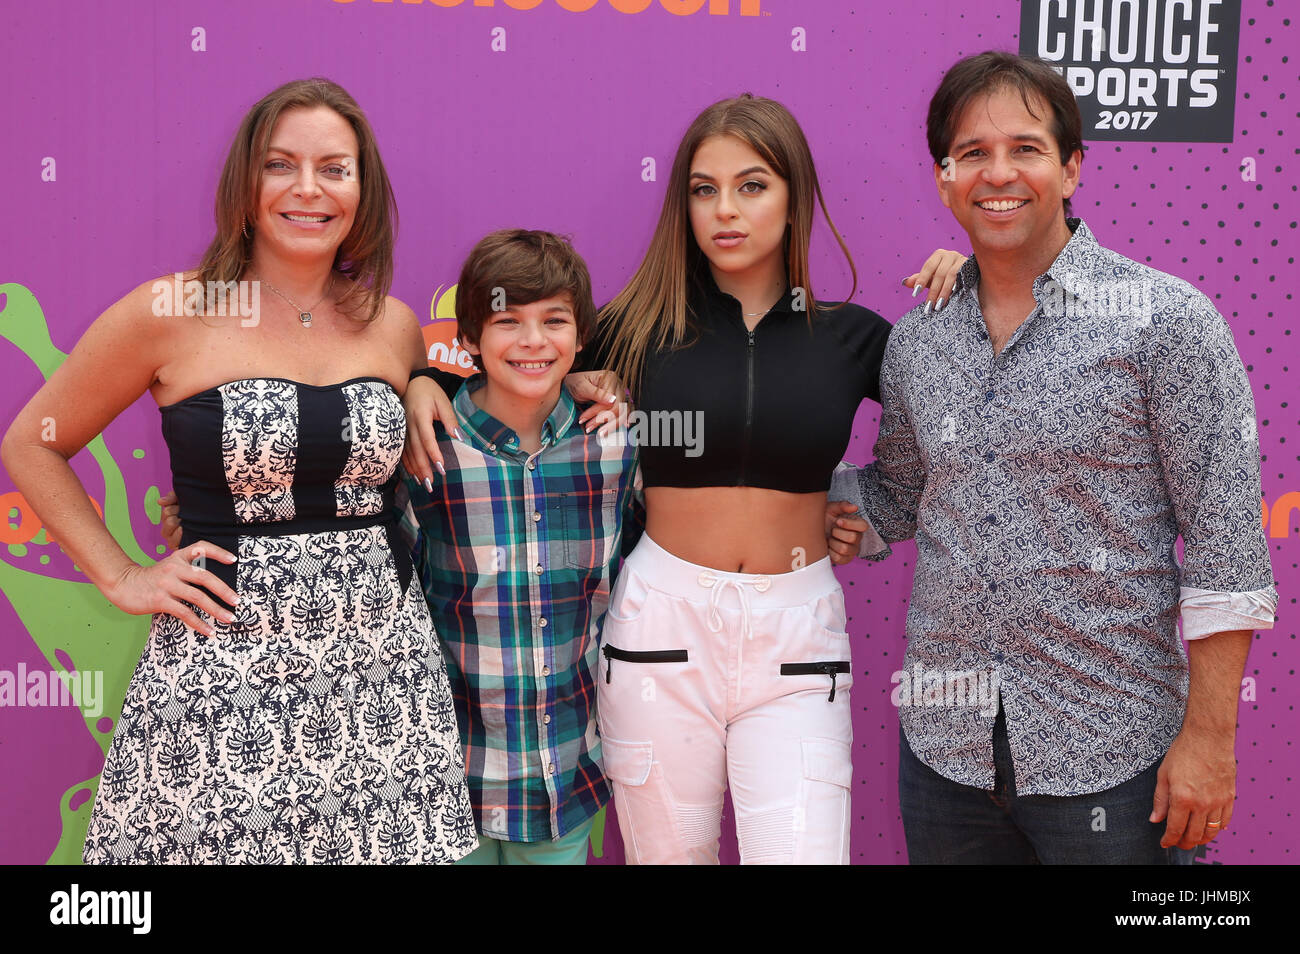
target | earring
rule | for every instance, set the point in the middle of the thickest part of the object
(243, 226)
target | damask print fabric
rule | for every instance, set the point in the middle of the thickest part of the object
(1046, 487)
(318, 727)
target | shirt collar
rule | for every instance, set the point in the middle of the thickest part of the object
(496, 436)
(703, 283)
(1070, 269)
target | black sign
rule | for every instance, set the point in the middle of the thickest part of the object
(1146, 70)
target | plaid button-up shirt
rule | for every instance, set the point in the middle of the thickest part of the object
(516, 552)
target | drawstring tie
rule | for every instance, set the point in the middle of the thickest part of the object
(718, 584)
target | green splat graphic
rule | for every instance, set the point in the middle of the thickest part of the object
(67, 614)
(151, 508)
(598, 833)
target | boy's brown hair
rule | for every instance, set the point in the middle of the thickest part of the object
(518, 267)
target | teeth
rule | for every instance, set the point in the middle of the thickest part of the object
(531, 365)
(1004, 206)
(305, 218)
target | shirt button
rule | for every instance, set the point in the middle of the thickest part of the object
(988, 395)
(541, 621)
(993, 587)
(538, 569)
(991, 518)
(550, 768)
(537, 515)
(532, 465)
(546, 719)
(492, 447)
(546, 670)
(989, 455)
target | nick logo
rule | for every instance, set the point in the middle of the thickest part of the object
(680, 8)
(443, 348)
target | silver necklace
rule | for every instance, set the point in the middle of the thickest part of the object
(760, 314)
(304, 315)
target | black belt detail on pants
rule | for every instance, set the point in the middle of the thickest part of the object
(817, 668)
(642, 656)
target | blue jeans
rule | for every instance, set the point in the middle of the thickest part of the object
(946, 822)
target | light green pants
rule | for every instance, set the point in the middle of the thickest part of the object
(569, 850)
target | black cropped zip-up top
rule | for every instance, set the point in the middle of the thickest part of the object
(774, 406)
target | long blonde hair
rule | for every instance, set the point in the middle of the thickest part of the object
(652, 309)
(366, 255)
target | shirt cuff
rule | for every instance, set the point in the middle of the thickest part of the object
(845, 486)
(1206, 612)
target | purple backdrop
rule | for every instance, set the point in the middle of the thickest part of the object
(551, 133)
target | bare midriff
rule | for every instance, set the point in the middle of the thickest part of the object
(738, 529)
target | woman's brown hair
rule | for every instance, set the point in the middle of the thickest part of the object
(652, 311)
(366, 255)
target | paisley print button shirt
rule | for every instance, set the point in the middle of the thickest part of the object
(1046, 487)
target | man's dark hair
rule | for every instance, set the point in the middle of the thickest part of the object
(527, 266)
(988, 72)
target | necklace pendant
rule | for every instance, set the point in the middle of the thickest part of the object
(305, 318)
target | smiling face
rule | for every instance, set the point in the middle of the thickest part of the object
(310, 187)
(1007, 181)
(739, 210)
(526, 351)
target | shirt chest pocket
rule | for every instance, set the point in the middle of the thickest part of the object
(588, 519)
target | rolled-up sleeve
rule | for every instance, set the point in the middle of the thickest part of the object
(1203, 422)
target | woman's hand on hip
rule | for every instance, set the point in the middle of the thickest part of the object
(171, 583)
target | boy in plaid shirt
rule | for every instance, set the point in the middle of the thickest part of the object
(517, 548)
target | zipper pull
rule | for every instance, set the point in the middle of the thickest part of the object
(609, 664)
(829, 669)
(751, 339)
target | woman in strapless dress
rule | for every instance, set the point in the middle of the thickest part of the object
(291, 704)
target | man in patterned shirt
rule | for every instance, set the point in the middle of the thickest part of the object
(1047, 438)
(516, 549)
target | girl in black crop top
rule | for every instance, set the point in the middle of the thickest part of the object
(725, 656)
(719, 324)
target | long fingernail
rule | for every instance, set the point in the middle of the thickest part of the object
(927, 308)
(428, 485)
(939, 305)
(611, 399)
(442, 470)
(456, 431)
(916, 289)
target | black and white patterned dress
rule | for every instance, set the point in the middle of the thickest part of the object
(318, 727)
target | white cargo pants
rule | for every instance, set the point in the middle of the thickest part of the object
(709, 677)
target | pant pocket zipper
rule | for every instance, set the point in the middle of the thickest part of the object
(817, 668)
(643, 656)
